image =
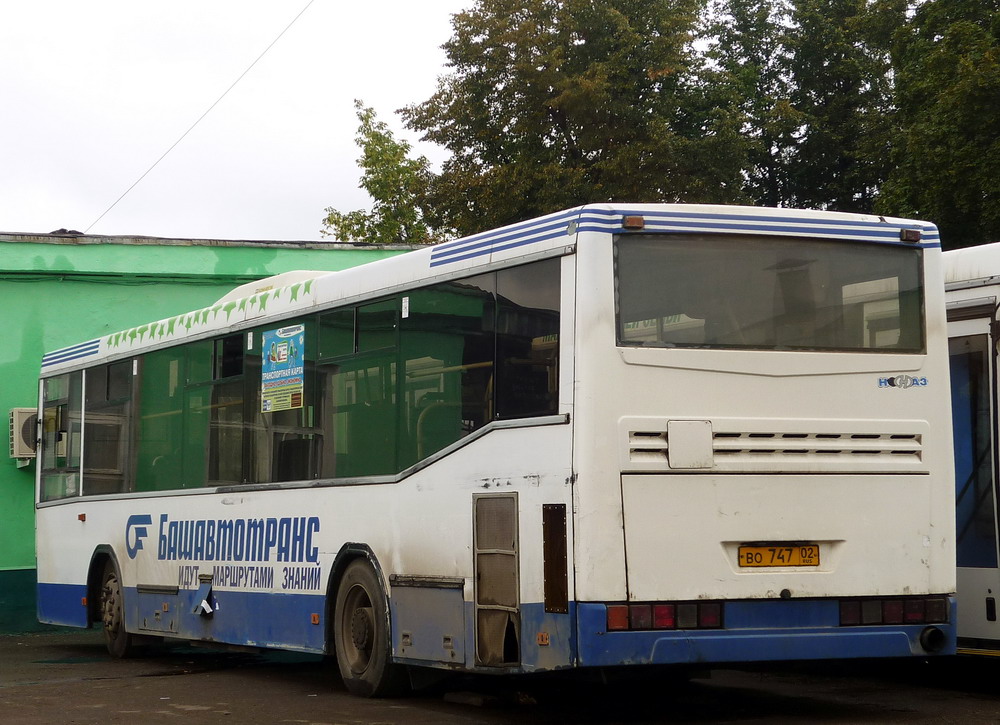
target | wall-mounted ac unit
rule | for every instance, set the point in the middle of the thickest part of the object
(23, 432)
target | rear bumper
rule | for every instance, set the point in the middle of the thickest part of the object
(758, 631)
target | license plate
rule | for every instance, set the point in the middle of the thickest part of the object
(779, 555)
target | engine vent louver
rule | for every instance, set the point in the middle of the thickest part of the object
(648, 449)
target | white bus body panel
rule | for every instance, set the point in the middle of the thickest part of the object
(421, 526)
(881, 518)
(972, 280)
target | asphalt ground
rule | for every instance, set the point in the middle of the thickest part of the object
(66, 676)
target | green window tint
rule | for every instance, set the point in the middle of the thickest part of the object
(362, 391)
(528, 340)
(120, 377)
(107, 429)
(447, 347)
(359, 399)
(285, 444)
(191, 416)
(360, 416)
(195, 434)
(226, 433)
(61, 436)
(377, 324)
(161, 445)
(336, 334)
(226, 414)
(200, 361)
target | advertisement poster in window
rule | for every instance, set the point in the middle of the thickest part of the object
(282, 369)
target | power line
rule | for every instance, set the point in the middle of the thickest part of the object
(202, 116)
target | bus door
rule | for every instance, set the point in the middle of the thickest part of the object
(973, 353)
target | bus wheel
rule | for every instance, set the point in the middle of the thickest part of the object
(361, 636)
(119, 642)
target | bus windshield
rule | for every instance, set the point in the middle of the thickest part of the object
(768, 293)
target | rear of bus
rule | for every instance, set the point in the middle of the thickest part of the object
(762, 441)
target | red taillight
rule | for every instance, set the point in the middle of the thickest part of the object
(617, 617)
(709, 615)
(897, 610)
(914, 611)
(664, 616)
(892, 611)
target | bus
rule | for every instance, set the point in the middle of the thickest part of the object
(613, 437)
(972, 290)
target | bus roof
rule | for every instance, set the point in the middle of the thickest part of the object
(296, 293)
(972, 264)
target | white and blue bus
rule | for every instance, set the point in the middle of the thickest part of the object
(972, 284)
(615, 436)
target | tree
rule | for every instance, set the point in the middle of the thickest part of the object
(553, 103)
(394, 181)
(841, 84)
(749, 74)
(947, 158)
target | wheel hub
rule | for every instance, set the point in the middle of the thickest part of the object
(361, 627)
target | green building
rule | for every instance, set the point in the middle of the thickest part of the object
(61, 288)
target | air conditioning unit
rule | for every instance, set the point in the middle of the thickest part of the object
(23, 432)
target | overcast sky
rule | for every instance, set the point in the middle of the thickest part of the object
(93, 93)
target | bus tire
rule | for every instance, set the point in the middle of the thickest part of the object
(119, 642)
(361, 635)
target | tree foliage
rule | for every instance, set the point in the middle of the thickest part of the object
(885, 106)
(840, 84)
(946, 165)
(749, 74)
(393, 180)
(553, 103)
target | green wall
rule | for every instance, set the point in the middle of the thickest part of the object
(59, 291)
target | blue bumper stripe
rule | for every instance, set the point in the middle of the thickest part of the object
(62, 604)
(755, 631)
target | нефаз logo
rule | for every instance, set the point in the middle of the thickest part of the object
(902, 381)
(135, 532)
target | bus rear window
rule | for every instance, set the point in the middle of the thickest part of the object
(768, 293)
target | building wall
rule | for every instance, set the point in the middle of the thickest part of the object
(59, 290)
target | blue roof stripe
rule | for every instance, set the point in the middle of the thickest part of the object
(790, 219)
(77, 356)
(610, 221)
(888, 234)
(511, 244)
(866, 238)
(549, 231)
(84, 349)
(72, 348)
(529, 225)
(847, 227)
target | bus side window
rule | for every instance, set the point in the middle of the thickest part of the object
(61, 416)
(162, 438)
(107, 430)
(528, 340)
(447, 349)
(358, 390)
(285, 440)
(227, 419)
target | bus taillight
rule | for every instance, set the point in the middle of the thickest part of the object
(664, 615)
(709, 615)
(898, 610)
(617, 617)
